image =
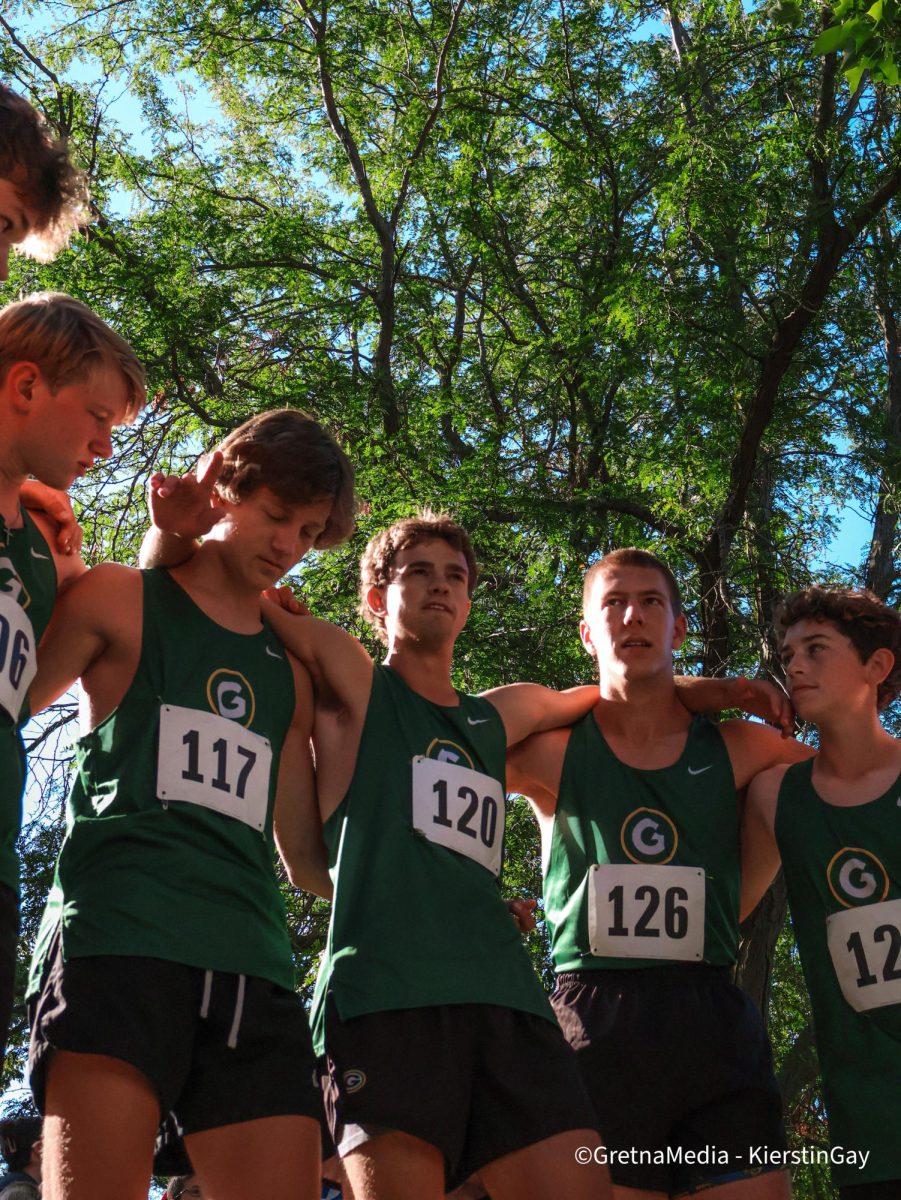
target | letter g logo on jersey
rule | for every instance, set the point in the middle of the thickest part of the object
(231, 696)
(648, 836)
(856, 876)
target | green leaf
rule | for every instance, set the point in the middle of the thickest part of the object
(830, 40)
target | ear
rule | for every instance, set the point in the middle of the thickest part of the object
(585, 635)
(680, 629)
(879, 665)
(20, 386)
(375, 599)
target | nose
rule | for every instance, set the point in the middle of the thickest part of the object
(102, 445)
(632, 614)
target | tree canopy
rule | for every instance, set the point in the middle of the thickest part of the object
(584, 274)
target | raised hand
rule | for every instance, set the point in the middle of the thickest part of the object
(183, 504)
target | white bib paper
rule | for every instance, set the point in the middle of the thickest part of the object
(459, 808)
(865, 945)
(18, 661)
(639, 910)
(208, 760)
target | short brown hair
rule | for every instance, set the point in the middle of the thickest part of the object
(66, 340)
(379, 555)
(631, 556)
(859, 615)
(290, 453)
(38, 167)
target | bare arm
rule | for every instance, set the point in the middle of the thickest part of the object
(754, 748)
(757, 697)
(759, 852)
(182, 509)
(528, 708)
(298, 828)
(83, 626)
(340, 668)
(69, 564)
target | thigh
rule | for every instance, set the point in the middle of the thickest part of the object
(563, 1165)
(100, 1119)
(395, 1166)
(274, 1157)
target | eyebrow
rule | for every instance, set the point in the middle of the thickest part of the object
(425, 562)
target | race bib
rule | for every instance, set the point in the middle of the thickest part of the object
(18, 661)
(208, 760)
(638, 910)
(865, 945)
(459, 808)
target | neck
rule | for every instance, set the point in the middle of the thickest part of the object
(640, 710)
(425, 670)
(854, 743)
(218, 592)
(12, 476)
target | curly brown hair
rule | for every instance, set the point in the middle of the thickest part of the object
(289, 452)
(859, 615)
(39, 168)
(380, 553)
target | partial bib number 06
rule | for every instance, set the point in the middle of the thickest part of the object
(646, 911)
(208, 760)
(459, 808)
(17, 660)
(865, 944)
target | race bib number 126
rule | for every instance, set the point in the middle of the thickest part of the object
(208, 760)
(459, 808)
(646, 911)
(865, 945)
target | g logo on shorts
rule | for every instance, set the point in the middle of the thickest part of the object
(856, 876)
(648, 836)
(231, 696)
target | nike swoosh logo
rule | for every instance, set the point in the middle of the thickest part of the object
(35, 554)
(481, 721)
(272, 653)
(700, 770)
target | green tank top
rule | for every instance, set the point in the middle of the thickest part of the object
(415, 852)
(843, 875)
(27, 595)
(169, 848)
(643, 867)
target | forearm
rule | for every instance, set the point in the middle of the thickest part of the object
(528, 708)
(161, 549)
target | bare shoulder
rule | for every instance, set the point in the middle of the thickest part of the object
(69, 567)
(754, 747)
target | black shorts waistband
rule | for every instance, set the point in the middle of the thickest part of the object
(687, 971)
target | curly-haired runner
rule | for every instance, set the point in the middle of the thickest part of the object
(43, 195)
(836, 822)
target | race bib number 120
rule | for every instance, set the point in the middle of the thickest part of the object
(208, 760)
(646, 911)
(459, 808)
(865, 945)
(17, 658)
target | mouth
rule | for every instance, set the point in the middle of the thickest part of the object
(273, 566)
(435, 607)
(635, 644)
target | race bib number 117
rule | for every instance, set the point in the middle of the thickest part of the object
(208, 760)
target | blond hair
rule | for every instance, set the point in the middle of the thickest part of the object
(66, 340)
